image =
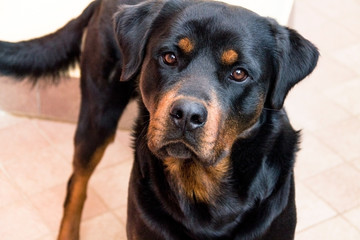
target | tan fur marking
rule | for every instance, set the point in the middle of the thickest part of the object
(186, 45)
(196, 180)
(158, 119)
(229, 57)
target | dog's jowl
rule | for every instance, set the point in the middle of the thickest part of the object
(213, 148)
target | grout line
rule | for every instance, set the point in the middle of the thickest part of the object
(317, 195)
(303, 180)
(107, 208)
(330, 148)
(332, 126)
(329, 219)
(25, 198)
(350, 223)
(320, 197)
(318, 223)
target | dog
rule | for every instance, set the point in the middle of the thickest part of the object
(214, 150)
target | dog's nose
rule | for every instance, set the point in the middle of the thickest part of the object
(188, 115)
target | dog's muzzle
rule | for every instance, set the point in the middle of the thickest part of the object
(187, 116)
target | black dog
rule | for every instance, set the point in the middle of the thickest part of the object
(214, 149)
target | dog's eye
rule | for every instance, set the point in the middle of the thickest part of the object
(169, 59)
(239, 75)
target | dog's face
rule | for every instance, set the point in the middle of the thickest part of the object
(206, 70)
(204, 81)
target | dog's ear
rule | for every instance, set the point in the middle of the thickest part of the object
(295, 58)
(132, 26)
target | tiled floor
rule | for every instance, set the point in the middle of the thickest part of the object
(35, 155)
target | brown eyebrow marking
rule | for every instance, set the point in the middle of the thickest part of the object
(186, 45)
(229, 57)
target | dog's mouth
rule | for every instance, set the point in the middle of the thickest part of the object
(178, 150)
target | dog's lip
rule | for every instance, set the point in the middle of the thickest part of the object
(178, 150)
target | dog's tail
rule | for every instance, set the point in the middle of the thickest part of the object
(47, 56)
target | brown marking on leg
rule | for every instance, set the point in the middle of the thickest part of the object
(75, 199)
(77, 188)
(186, 45)
(229, 57)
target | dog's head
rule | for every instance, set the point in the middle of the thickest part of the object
(206, 71)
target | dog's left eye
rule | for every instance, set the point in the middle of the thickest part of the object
(239, 75)
(169, 59)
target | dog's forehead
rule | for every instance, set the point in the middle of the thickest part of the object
(218, 26)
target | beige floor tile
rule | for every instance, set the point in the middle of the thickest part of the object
(356, 163)
(311, 209)
(328, 31)
(339, 187)
(118, 151)
(112, 183)
(306, 20)
(349, 56)
(50, 205)
(124, 137)
(334, 229)
(9, 192)
(353, 216)
(94, 205)
(351, 22)
(121, 213)
(311, 111)
(130, 113)
(328, 74)
(7, 120)
(102, 227)
(38, 171)
(20, 221)
(18, 140)
(56, 132)
(51, 236)
(336, 9)
(60, 135)
(314, 157)
(66, 150)
(347, 95)
(343, 137)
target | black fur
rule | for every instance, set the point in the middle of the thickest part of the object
(253, 196)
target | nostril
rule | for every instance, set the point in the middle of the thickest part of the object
(197, 119)
(177, 114)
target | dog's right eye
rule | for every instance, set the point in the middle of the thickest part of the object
(169, 59)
